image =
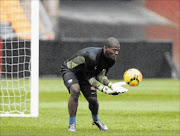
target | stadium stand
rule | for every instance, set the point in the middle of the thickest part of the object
(125, 20)
(19, 26)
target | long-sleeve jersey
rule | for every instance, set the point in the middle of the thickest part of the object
(89, 64)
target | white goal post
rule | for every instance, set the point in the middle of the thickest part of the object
(19, 58)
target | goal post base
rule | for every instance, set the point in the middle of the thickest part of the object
(18, 115)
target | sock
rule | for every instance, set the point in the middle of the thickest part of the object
(72, 120)
(95, 117)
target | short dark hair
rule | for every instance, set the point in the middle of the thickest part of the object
(111, 41)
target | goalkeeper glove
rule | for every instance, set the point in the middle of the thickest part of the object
(118, 87)
(106, 90)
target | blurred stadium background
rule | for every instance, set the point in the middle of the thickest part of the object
(147, 29)
(149, 33)
(133, 22)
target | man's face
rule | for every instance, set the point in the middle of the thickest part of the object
(112, 52)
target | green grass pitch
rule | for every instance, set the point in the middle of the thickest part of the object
(150, 109)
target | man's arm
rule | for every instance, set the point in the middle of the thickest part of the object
(102, 78)
(109, 88)
(93, 82)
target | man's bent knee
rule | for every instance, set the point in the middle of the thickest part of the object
(92, 100)
(75, 91)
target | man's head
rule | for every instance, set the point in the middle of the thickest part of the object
(111, 48)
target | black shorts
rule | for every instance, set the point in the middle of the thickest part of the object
(70, 78)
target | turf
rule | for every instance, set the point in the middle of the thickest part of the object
(150, 109)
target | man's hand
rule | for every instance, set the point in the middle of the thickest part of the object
(115, 88)
(118, 87)
(109, 91)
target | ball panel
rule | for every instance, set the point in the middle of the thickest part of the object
(133, 83)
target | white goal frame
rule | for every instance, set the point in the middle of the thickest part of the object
(34, 97)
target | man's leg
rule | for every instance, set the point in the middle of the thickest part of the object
(72, 84)
(73, 99)
(94, 107)
(73, 105)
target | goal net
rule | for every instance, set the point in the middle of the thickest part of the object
(19, 55)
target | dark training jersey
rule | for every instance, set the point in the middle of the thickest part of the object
(88, 63)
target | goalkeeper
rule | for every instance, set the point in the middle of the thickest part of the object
(81, 73)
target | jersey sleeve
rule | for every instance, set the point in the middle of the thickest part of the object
(102, 78)
(76, 61)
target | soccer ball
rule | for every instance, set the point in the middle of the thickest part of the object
(132, 77)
